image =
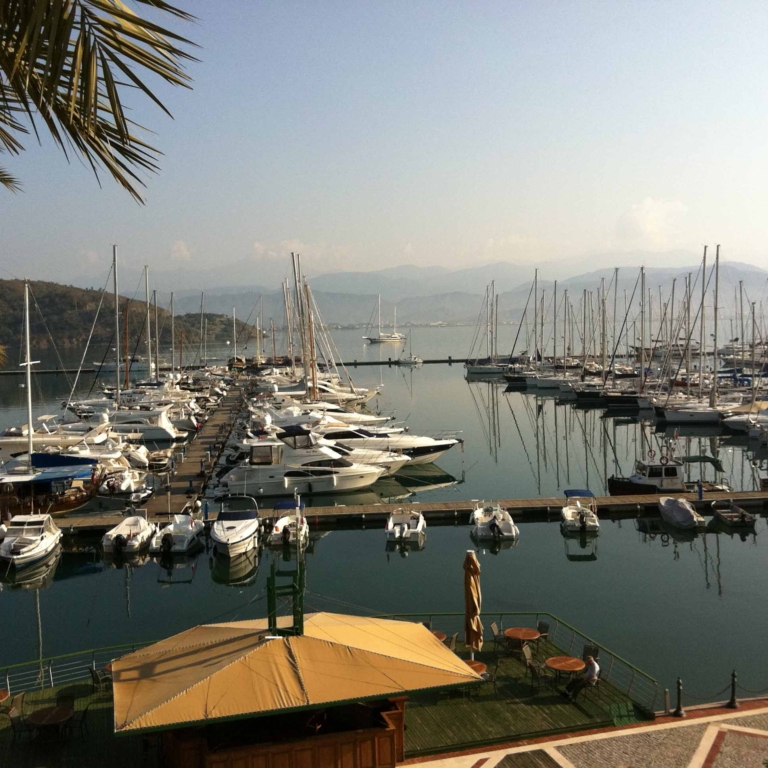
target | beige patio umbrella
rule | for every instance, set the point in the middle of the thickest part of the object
(473, 628)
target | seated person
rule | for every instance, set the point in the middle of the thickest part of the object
(591, 673)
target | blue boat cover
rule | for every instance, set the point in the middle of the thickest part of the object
(44, 460)
(577, 492)
(288, 504)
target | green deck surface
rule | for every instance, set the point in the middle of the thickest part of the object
(435, 722)
(453, 721)
(99, 747)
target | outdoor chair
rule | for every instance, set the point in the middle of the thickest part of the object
(16, 705)
(539, 676)
(101, 680)
(65, 699)
(530, 664)
(20, 726)
(492, 677)
(590, 650)
(516, 647)
(78, 721)
(499, 638)
(543, 630)
(451, 642)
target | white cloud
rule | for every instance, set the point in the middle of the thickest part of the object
(180, 251)
(259, 249)
(652, 224)
(88, 258)
(315, 257)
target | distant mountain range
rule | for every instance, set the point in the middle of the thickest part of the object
(432, 294)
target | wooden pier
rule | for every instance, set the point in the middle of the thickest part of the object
(361, 515)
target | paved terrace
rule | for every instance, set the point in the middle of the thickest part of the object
(710, 737)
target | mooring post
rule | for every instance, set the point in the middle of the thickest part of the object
(679, 711)
(733, 703)
(666, 701)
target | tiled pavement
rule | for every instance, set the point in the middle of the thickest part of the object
(725, 739)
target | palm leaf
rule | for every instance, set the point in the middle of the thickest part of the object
(58, 65)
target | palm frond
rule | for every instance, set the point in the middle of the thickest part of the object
(69, 64)
(12, 184)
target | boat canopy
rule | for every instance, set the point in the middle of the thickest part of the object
(582, 493)
(716, 463)
(289, 504)
(241, 670)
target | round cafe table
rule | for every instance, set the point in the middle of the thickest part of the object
(524, 634)
(565, 665)
(477, 666)
(50, 717)
(439, 635)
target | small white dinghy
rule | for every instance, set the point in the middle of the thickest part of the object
(178, 536)
(405, 525)
(577, 517)
(680, 513)
(29, 538)
(291, 529)
(131, 535)
(492, 521)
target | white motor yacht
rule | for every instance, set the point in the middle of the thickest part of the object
(404, 525)
(290, 529)
(179, 536)
(296, 464)
(237, 527)
(420, 449)
(29, 538)
(492, 521)
(577, 517)
(131, 535)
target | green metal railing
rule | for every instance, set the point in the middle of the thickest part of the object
(56, 671)
(621, 674)
(643, 689)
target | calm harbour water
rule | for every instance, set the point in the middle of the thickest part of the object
(694, 609)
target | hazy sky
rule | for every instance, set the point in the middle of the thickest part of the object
(373, 134)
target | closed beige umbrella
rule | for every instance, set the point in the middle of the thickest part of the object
(473, 628)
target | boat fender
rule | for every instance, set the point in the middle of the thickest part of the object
(119, 543)
(286, 535)
(8, 488)
(651, 454)
(167, 543)
(664, 460)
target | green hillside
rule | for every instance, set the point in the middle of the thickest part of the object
(63, 315)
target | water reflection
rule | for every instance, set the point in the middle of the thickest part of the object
(238, 571)
(581, 548)
(38, 575)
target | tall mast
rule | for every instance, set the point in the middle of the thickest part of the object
(754, 374)
(688, 290)
(300, 311)
(379, 314)
(741, 321)
(288, 326)
(173, 340)
(202, 330)
(157, 338)
(149, 324)
(565, 331)
(713, 389)
(642, 328)
(702, 338)
(584, 330)
(496, 328)
(234, 334)
(28, 374)
(554, 333)
(274, 345)
(205, 343)
(125, 342)
(394, 321)
(536, 319)
(313, 362)
(614, 348)
(117, 327)
(603, 329)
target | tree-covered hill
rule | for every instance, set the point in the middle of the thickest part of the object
(64, 315)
